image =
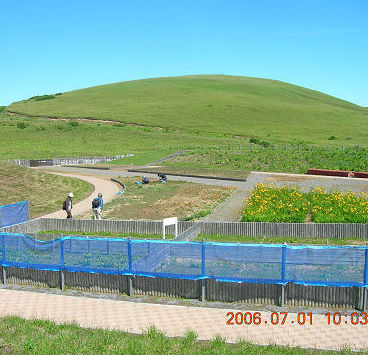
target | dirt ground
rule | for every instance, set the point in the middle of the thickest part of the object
(156, 201)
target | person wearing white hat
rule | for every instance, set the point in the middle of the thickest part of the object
(68, 205)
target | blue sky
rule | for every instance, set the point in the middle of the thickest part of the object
(56, 46)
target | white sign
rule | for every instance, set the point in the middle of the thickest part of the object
(169, 222)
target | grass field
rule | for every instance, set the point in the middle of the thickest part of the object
(208, 151)
(63, 139)
(105, 234)
(45, 192)
(19, 336)
(278, 240)
(156, 201)
(282, 158)
(226, 105)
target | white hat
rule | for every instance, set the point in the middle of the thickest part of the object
(70, 194)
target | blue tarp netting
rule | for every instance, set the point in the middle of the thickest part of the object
(258, 263)
(13, 214)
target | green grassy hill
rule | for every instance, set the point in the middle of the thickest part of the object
(238, 106)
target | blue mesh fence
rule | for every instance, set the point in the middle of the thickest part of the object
(255, 263)
(13, 214)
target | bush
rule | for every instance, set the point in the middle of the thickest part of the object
(332, 138)
(22, 125)
(74, 123)
(254, 140)
(42, 97)
(2, 108)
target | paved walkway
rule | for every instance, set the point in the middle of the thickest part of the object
(106, 187)
(135, 317)
(230, 209)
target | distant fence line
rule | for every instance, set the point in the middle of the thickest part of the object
(247, 229)
(65, 161)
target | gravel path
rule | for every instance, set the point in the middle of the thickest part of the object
(106, 187)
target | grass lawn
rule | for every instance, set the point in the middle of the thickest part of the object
(223, 238)
(279, 240)
(156, 201)
(45, 192)
(230, 105)
(105, 234)
(279, 158)
(95, 139)
(208, 152)
(20, 336)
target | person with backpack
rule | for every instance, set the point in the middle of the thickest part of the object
(97, 206)
(68, 205)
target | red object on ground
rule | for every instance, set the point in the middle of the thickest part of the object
(343, 173)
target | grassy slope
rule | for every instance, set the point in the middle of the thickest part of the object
(45, 192)
(224, 104)
(60, 139)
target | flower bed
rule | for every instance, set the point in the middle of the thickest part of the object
(289, 204)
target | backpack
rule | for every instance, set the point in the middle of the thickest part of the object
(64, 206)
(96, 203)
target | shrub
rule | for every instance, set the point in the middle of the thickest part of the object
(332, 138)
(254, 140)
(74, 123)
(22, 125)
(2, 108)
(42, 97)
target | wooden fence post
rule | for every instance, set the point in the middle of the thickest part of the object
(62, 276)
(203, 273)
(283, 267)
(130, 277)
(3, 257)
(364, 293)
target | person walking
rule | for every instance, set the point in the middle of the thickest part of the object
(97, 206)
(68, 205)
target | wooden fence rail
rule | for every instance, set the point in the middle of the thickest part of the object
(247, 293)
(250, 229)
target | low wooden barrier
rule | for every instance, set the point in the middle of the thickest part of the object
(247, 293)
